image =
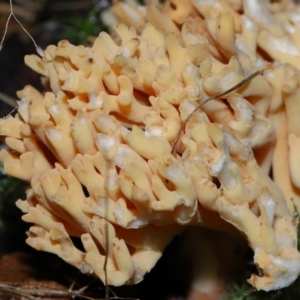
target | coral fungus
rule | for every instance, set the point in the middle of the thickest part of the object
(96, 146)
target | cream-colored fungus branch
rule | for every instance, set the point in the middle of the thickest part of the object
(175, 119)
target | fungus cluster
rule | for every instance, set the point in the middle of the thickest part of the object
(95, 146)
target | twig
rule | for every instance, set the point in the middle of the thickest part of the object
(37, 294)
(39, 50)
(11, 113)
(106, 251)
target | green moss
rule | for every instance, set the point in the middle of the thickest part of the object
(11, 189)
(78, 27)
(244, 291)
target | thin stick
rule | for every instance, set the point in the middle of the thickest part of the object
(241, 83)
(106, 240)
(39, 50)
(38, 292)
(106, 256)
(11, 112)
